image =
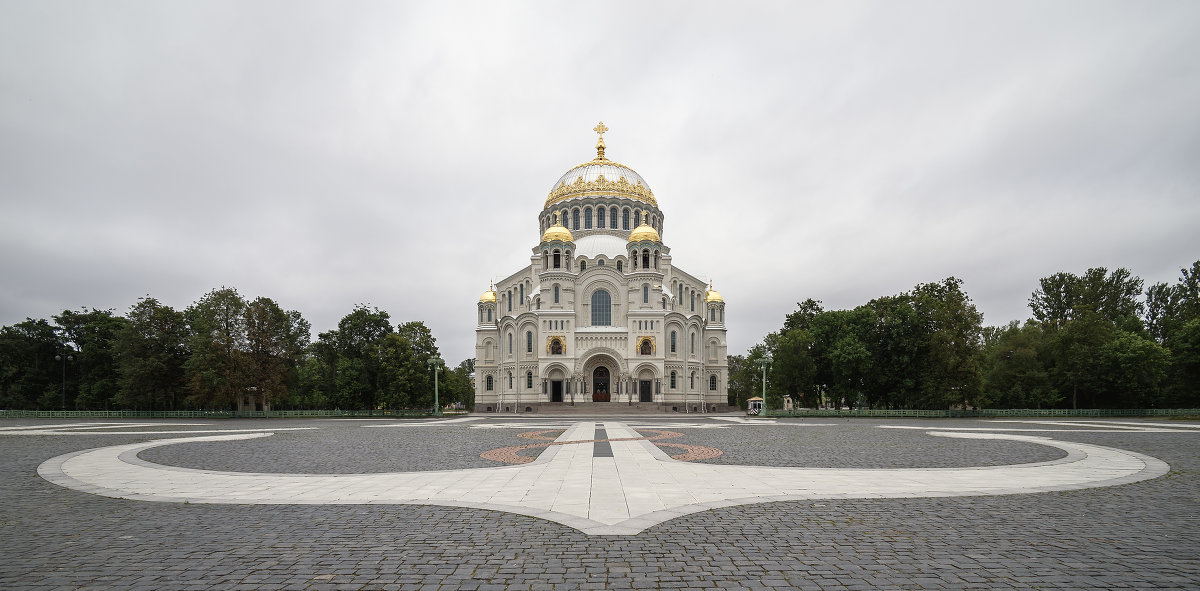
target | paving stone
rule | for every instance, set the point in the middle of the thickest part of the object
(1140, 535)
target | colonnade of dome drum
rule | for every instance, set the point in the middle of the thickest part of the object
(605, 215)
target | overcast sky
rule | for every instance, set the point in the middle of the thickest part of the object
(397, 154)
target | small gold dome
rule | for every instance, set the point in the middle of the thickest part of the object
(489, 295)
(712, 295)
(557, 232)
(644, 232)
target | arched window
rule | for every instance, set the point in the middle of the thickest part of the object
(619, 269)
(645, 259)
(600, 217)
(614, 218)
(633, 258)
(488, 383)
(712, 382)
(582, 266)
(645, 294)
(529, 380)
(693, 343)
(693, 301)
(600, 263)
(664, 302)
(522, 293)
(510, 343)
(575, 218)
(672, 380)
(625, 220)
(587, 218)
(510, 380)
(601, 308)
(556, 293)
(712, 314)
(692, 380)
(529, 341)
(637, 216)
(557, 259)
(680, 298)
(673, 335)
(489, 314)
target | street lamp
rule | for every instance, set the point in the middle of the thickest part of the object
(765, 362)
(434, 364)
(64, 358)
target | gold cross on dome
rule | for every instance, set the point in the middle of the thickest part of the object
(600, 129)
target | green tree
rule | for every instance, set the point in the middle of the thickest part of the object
(896, 343)
(275, 341)
(1013, 373)
(457, 387)
(30, 377)
(1061, 297)
(1073, 354)
(1133, 369)
(793, 370)
(353, 352)
(953, 342)
(93, 336)
(150, 352)
(218, 368)
(740, 383)
(1185, 366)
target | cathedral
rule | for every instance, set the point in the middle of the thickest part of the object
(601, 316)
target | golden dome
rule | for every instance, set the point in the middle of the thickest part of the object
(489, 295)
(601, 176)
(644, 232)
(712, 295)
(557, 232)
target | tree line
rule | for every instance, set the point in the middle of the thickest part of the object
(1095, 340)
(212, 353)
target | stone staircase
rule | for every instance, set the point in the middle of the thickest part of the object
(598, 408)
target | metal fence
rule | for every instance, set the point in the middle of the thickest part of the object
(990, 412)
(207, 414)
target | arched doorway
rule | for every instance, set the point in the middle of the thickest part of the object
(557, 380)
(645, 386)
(600, 384)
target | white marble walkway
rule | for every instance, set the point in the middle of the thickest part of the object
(638, 487)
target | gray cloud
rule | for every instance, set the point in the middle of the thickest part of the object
(397, 154)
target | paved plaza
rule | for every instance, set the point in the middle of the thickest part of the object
(608, 502)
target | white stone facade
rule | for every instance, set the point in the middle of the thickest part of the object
(602, 315)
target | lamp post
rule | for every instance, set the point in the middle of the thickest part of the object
(765, 362)
(64, 358)
(435, 363)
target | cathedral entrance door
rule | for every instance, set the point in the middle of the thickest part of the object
(644, 392)
(600, 385)
(556, 391)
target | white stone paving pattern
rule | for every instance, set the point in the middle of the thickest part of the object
(638, 487)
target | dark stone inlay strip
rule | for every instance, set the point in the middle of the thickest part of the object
(601, 448)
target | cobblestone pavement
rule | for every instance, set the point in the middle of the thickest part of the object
(1143, 535)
